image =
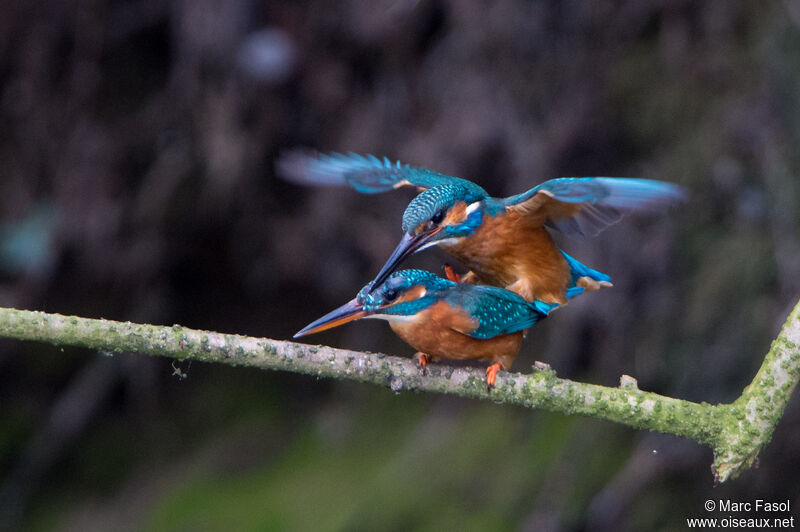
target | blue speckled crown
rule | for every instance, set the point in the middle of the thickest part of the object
(400, 281)
(435, 199)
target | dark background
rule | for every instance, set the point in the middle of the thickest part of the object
(137, 149)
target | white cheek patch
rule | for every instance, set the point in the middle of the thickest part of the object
(472, 207)
(429, 244)
(444, 242)
(392, 317)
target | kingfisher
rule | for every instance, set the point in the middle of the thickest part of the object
(504, 242)
(445, 319)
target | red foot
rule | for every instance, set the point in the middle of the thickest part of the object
(422, 359)
(491, 374)
(451, 274)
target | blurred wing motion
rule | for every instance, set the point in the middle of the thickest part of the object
(584, 206)
(496, 311)
(365, 173)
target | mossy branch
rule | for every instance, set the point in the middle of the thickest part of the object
(736, 432)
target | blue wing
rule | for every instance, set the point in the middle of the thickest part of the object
(580, 206)
(365, 173)
(496, 310)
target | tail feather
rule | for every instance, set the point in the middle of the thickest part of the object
(579, 270)
(575, 291)
(545, 308)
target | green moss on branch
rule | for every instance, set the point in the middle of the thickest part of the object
(737, 432)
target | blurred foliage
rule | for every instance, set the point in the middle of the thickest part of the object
(137, 183)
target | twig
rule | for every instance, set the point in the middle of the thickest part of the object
(736, 432)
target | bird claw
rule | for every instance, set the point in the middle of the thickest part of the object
(543, 366)
(451, 274)
(422, 360)
(491, 375)
(469, 278)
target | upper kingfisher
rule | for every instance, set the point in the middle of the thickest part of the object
(444, 319)
(503, 241)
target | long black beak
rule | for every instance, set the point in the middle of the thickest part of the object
(408, 245)
(346, 313)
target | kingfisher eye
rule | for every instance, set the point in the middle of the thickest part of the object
(390, 295)
(438, 217)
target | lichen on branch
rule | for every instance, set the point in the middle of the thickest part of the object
(736, 432)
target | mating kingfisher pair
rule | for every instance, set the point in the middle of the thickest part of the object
(517, 273)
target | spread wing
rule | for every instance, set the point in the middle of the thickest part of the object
(365, 173)
(497, 311)
(581, 206)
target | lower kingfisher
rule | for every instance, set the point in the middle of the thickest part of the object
(444, 319)
(503, 241)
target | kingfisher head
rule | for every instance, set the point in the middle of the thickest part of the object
(402, 294)
(443, 213)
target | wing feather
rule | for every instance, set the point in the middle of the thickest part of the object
(584, 206)
(365, 173)
(496, 310)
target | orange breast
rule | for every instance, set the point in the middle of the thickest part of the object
(516, 253)
(435, 331)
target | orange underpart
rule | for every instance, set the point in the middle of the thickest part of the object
(491, 374)
(451, 274)
(516, 248)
